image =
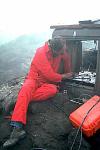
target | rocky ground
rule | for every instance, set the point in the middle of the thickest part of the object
(48, 126)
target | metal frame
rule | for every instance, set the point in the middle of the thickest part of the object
(82, 32)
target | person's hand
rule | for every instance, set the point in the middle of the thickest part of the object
(76, 74)
(67, 75)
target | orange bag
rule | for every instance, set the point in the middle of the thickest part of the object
(92, 122)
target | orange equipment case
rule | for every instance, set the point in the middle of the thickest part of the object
(92, 122)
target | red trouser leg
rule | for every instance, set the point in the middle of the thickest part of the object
(44, 92)
(24, 96)
(27, 94)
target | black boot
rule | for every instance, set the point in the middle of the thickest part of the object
(16, 135)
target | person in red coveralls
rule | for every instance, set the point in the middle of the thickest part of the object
(40, 84)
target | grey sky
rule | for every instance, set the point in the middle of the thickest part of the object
(26, 16)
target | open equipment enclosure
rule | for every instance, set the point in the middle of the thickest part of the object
(85, 59)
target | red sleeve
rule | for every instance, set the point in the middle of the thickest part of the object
(42, 65)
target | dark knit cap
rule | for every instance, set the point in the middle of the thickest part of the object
(56, 44)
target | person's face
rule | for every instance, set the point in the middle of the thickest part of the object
(58, 52)
(61, 51)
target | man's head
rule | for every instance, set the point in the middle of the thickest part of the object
(56, 46)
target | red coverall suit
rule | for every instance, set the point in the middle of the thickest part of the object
(40, 83)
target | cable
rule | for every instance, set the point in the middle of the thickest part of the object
(89, 96)
(82, 123)
(60, 108)
(77, 102)
(80, 141)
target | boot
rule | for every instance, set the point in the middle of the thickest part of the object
(16, 135)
